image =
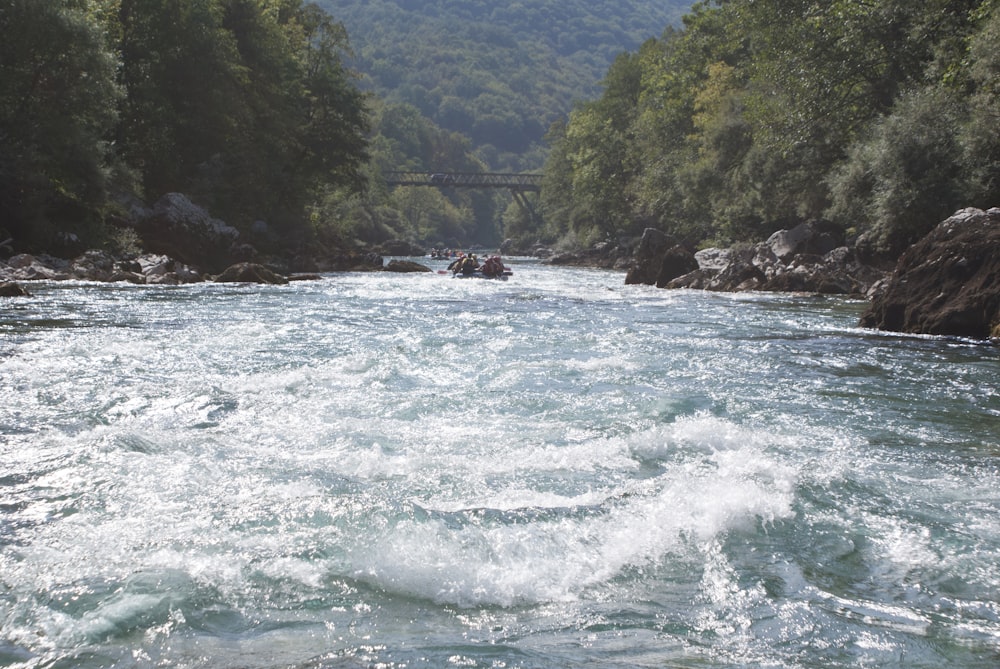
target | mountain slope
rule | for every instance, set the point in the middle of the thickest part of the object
(499, 73)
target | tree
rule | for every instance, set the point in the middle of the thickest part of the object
(183, 81)
(978, 135)
(592, 158)
(936, 151)
(245, 104)
(906, 177)
(57, 110)
(760, 114)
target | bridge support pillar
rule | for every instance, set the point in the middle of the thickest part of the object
(525, 204)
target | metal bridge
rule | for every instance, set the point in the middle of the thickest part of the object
(514, 182)
(517, 184)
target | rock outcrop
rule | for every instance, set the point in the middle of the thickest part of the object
(603, 255)
(948, 283)
(248, 272)
(406, 267)
(11, 289)
(180, 229)
(351, 262)
(26, 267)
(658, 260)
(810, 258)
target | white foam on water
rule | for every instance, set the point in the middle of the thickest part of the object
(557, 553)
(271, 458)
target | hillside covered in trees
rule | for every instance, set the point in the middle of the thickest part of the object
(499, 73)
(880, 116)
(243, 105)
(250, 107)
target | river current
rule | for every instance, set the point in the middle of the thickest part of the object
(556, 471)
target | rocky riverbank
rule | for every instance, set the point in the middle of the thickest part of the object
(947, 284)
(153, 269)
(183, 244)
(810, 258)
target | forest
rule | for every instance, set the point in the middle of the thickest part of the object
(499, 73)
(244, 105)
(879, 116)
(747, 116)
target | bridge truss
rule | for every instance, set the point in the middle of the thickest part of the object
(517, 184)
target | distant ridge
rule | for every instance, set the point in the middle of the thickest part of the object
(499, 73)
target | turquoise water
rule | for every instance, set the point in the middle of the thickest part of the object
(554, 471)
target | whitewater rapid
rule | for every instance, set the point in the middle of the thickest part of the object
(557, 470)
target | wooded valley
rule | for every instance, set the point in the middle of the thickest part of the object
(878, 116)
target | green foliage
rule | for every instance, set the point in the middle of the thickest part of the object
(243, 104)
(904, 179)
(759, 114)
(499, 73)
(978, 134)
(58, 100)
(936, 151)
(405, 140)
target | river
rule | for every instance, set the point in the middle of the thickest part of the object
(556, 471)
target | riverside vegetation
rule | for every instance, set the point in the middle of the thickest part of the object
(873, 119)
(756, 116)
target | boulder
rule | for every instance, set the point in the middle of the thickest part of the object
(249, 273)
(93, 265)
(602, 255)
(948, 283)
(168, 279)
(160, 269)
(542, 252)
(120, 275)
(713, 259)
(406, 267)
(155, 265)
(178, 228)
(838, 271)
(699, 279)
(20, 261)
(676, 262)
(647, 262)
(350, 262)
(811, 237)
(741, 274)
(25, 267)
(11, 289)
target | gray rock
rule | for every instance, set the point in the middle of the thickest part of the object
(180, 229)
(948, 283)
(647, 262)
(249, 273)
(811, 237)
(406, 267)
(11, 289)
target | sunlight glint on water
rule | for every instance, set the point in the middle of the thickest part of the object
(557, 470)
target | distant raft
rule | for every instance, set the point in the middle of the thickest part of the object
(468, 267)
(478, 274)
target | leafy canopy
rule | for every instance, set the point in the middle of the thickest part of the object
(499, 73)
(758, 114)
(243, 104)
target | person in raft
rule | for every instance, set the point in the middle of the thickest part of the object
(493, 266)
(469, 264)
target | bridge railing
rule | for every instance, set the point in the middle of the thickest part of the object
(519, 182)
